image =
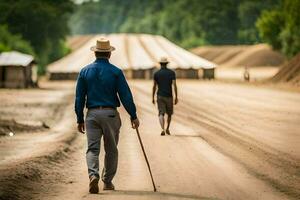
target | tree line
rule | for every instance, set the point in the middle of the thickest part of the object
(40, 27)
(37, 27)
(191, 23)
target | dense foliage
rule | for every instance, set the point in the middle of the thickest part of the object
(39, 27)
(9, 42)
(43, 23)
(192, 23)
(187, 22)
(281, 27)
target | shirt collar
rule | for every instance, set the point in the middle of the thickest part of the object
(103, 60)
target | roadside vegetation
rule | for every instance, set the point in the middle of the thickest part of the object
(191, 23)
(35, 27)
(40, 27)
(280, 27)
(10, 42)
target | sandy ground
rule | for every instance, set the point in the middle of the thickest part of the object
(241, 55)
(24, 110)
(237, 73)
(229, 141)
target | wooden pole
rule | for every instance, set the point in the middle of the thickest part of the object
(143, 149)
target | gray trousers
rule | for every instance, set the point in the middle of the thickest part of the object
(106, 123)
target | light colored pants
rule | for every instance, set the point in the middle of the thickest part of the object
(106, 123)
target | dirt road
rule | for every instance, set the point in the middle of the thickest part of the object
(228, 141)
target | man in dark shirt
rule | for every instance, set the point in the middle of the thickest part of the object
(100, 85)
(164, 79)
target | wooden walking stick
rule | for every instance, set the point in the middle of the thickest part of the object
(141, 143)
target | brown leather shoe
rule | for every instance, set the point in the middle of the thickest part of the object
(162, 133)
(108, 186)
(94, 189)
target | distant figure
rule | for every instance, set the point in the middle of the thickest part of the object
(164, 79)
(246, 74)
(101, 86)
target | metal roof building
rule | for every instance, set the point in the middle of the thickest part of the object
(14, 58)
(17, 70)
(136, 54)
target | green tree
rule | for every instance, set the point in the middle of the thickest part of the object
(186, 22)
(43, 23)
(248, 13)
(281, 27)
(270, 26)
(290, 35)
(9, 42)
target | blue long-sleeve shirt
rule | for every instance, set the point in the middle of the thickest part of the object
(102, 84)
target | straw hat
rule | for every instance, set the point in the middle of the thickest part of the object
(102, 45)
(163, 60)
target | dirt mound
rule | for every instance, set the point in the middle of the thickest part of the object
(219, 54)
(7, 126)
(77, 41)
(241, 55)
(24, 111)
(289, 72)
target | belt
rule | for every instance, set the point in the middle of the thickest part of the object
(104, 108)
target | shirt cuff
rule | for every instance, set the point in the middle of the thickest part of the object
(133, 117)
(80, 121)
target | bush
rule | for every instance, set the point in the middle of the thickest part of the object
(280, 27)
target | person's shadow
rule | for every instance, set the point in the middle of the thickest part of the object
(186, 135)
(155, 195)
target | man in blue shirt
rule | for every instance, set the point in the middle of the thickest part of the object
(164, 79)
(100, 87)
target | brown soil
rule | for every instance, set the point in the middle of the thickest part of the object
(43, 133)
(219, 54)
(229, 141)
(289, 72)
(241, 55)
(7, 126)
(32, 109)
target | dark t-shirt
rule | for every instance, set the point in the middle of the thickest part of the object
(164, 78)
